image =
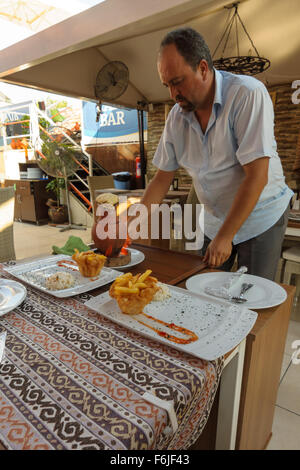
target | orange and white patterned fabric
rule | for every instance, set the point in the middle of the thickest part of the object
(72, 379)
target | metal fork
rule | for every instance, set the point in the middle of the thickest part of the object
(240, 299)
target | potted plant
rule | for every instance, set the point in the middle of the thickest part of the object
(57, 212)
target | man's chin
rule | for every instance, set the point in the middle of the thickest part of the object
(186, 106)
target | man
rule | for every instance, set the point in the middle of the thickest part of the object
(221, 131)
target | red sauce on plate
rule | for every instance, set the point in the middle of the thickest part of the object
(191, 335)
(62, 263)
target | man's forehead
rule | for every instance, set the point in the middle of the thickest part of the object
(171, 63)
(169, 53)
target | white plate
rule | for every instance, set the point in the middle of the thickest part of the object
(12, 294)
(36, 272)
(263, 294)
(136, 258)
(220, 327)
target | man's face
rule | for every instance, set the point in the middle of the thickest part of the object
(186, 85)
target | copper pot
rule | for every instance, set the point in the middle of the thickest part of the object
(108, 246)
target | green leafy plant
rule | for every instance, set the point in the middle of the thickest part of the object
(56, 185)
(25, 125)
(54, 107)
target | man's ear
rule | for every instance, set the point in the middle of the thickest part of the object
(203, 68)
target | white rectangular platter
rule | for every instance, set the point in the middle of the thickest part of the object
(36, 272)
(220, 327)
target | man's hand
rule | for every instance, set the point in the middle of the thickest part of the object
(218, 251)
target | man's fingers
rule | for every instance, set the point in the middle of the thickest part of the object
(209, 258)
(215, 259)
(217, 253)
(212, 260)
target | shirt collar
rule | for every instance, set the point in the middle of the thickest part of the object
(218, 87)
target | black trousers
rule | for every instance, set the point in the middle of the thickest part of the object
(260, 254)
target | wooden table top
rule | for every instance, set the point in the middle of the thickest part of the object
(170, 266)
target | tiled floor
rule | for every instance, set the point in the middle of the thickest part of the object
(286, 424)
(31, 240)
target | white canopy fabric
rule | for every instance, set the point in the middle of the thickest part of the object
(36, 15)
(19, 19)
(67, 57)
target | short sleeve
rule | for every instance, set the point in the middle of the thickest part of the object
(254, 126)
(165, 156)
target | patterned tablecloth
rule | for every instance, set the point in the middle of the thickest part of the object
(72, 379)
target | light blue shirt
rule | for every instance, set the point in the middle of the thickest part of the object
(240, 130)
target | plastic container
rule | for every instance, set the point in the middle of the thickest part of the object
(34, 173)
(122, 180)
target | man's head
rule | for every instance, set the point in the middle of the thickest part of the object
(185, 66)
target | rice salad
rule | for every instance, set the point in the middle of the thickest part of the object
(59, 281)
(162, 294)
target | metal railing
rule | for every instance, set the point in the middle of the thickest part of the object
(34, 130)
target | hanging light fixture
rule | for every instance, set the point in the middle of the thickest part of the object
(240, 64)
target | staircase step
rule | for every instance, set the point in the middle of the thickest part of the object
(84, 203)
(83, 174)
(77, 180)
(81, 187)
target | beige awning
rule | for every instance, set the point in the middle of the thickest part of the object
(66, 58)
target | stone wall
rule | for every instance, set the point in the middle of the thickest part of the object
(115, 158)
(156, 122)
(287, 133)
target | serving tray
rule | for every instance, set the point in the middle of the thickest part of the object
(36, 272)
(220, 326)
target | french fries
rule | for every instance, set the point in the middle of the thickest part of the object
(133, 293)
(89, 263)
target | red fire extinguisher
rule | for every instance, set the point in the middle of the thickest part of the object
(138, 171)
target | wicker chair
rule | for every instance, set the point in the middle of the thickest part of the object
(7, 204)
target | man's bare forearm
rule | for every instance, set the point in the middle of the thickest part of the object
(157, 188)
(155, 193)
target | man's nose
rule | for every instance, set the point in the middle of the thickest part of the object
(173, 90)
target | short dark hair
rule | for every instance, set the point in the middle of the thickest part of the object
(190, 44)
